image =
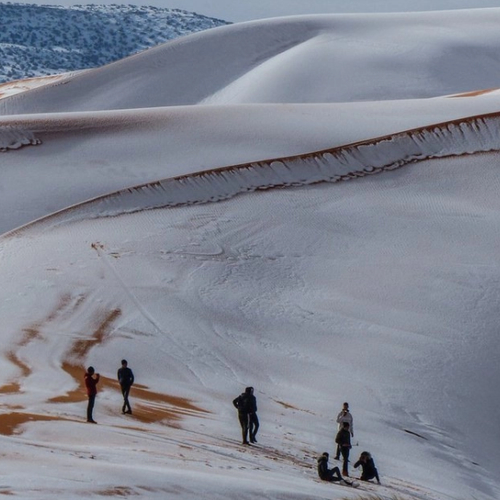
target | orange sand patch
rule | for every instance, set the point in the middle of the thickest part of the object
(82, 347)
(474, 93)
(121, 491)
(8, 89)
(151, 407)
(148, 406)
(9, 422)
(31, 333)
(288, 406)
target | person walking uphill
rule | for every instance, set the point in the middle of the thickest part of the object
(344, 416)
(126, 380)
(343, 439)
(246, 404)
(91, 381)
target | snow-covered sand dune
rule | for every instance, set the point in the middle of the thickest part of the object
(352, 161)
(382, 291)
(292, 60)
(101, 152)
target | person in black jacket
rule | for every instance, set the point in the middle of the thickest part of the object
(327, 474)
(126, 379)
(343, 439)
(246, 404)
(368, 466)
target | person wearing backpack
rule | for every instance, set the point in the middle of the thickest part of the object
(246, 404)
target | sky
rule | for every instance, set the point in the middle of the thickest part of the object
(329, 239)
(246, 10)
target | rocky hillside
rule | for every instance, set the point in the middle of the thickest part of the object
(44, 40)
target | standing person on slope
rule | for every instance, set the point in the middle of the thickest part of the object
(344, 416)
(246, 404)
(253, 420)
(126, 380)
(343, 439)
(91, 381)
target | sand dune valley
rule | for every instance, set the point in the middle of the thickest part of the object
(307, 205)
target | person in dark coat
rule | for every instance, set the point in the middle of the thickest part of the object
(344, 416)
(253, 420)
(91, 381)
(368, 467)
(327, 474)
(343, 439)
(126, 380)
(246, 404)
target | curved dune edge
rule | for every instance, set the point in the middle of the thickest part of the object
(454, 138)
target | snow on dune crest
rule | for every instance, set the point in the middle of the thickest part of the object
(454, 138)
(103, 152)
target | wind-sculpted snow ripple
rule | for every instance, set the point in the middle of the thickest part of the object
(15, 138)
(454, 138)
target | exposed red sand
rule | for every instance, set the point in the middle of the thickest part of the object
(8, 89)
(148, 406)
(10, 422)
(475, 93)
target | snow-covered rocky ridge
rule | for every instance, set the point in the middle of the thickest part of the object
(358, 262)
(45, 40)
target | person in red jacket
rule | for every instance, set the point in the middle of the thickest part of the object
(91, 380)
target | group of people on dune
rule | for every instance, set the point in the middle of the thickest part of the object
(125, 379)
(246, 404)
(343, 441)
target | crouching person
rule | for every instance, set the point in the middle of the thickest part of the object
(327, 474)
(368, 467)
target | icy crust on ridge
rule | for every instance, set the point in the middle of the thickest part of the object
(454, 138)
(16, 137)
